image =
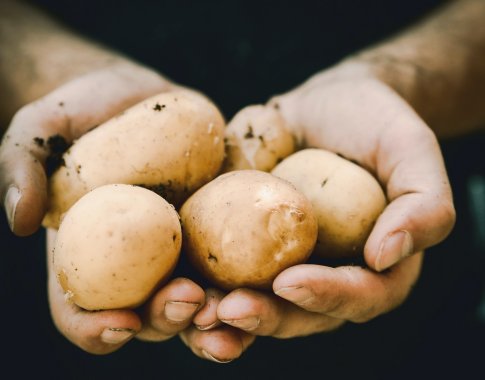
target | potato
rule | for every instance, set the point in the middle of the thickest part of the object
(257, 138)
(115, 246)
(346, 198)
(244, 227)
(171, 143)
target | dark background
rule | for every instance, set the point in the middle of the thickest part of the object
(238, 53)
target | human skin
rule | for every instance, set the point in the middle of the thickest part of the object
(385, 124)
(50, 88)
(392, 103)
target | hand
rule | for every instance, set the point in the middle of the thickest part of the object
(64, 115)
(347, 110)
(169, 311)
(315, 298)
(40, 130)
(310, 299)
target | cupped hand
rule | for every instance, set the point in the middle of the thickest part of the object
(312, 299)
(40, 131)
(168, 312)
(307, 299)
(349, 111)
(37, 134)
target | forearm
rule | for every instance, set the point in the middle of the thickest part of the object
(37, 55)
(438, 66)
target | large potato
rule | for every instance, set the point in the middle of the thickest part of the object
(115, 245)
(244, 227)
(257, 138)
(346, 198)
(171, 143)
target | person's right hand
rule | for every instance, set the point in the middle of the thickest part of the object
(64, 115)
(39, 129)
(168, 312)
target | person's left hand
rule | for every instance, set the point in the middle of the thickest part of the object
(310, 299)
(347, 110)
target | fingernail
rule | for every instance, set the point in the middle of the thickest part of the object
(11, 200)
(177, 311)
(116, 335)
(296, 294)
(206, 327)
(395, 246)
(210, 357)
(248, 324)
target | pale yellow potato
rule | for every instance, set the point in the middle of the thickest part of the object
(171, 143)
(257, 138)
(346, 198)
(115, 246)
(244, 227)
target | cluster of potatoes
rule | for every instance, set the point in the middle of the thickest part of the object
(167, 178)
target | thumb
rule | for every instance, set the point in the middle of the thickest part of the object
(41, 131)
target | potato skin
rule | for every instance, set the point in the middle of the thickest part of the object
(244, 227)
(257, 138)
(346, 198)
(115, 246)
(171, 143)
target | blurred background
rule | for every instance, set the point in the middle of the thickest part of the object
(240, 53)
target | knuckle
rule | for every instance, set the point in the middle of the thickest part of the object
(23, 114)
(149, 334)
(448, 215)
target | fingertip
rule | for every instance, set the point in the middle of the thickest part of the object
(411, 223)
(100, 332)
(117, 335)
(221, 345)
(292, 277)
(237, 304)
(171, 309)
(27, 212)
(112, 329)
(206, 317)
(11, 201)
(394, 247)
(25, 199)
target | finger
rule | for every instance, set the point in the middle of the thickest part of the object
(267, 315)
(206, 317)
(220, 345)
(421, 212)
(349, 292)
(99, 332)
(381, 132)
(41, 131)
(171, 309)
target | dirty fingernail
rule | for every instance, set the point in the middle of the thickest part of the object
(210, 357)
(296, 294)
(116, 335)
(394, 247)
(11, 200)
(248, 324)
(178, 311)
(207, 327)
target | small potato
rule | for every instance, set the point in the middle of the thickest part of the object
(346, 198)
(244, 227)
(171, 143)
(115, 246)
(257, 138)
